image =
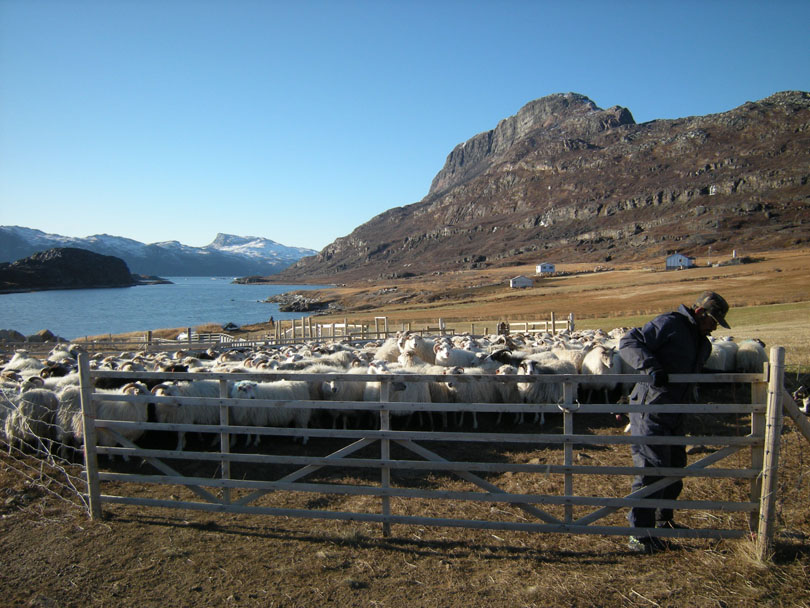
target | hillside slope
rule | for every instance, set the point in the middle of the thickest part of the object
(566, 181)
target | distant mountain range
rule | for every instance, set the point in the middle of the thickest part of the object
(227, 255)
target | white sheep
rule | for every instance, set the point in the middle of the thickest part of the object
(723, 357)
(408, 391)
(481, 390)
(30, 420)
(508, 391)
(539, 392)
(389, 351)
(573, 352)
(128, 411)
(601, 360)
(24, 362)
(422, 347)
(187, 413)
(344, 390)
(751, 356)
(446, 355)
(272, 414)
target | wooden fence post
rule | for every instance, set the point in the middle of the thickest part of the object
(89, 427)
(224, 439)
(569, 390)
(553, 324)
(759, 394)
(770, 468)
(385, 454)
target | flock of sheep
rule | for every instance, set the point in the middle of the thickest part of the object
(40, 398)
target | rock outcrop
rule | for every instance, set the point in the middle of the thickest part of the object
(566, 181)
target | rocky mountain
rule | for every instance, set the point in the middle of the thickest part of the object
(64, 268)
(565, 181)
(227, 255)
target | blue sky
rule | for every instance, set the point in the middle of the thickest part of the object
(300, 120)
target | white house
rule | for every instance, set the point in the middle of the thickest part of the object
(520, 282)
(544, 268)
(677, 261)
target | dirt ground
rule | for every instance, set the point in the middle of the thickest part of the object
(54, 555)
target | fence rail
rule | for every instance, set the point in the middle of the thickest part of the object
(396, 468)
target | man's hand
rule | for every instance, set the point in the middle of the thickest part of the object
(659, 378)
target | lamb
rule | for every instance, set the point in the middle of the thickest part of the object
(273, 414)
(187, 413)
(751, 356)
(30, 419)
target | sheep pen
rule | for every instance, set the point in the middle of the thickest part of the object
(56, 556)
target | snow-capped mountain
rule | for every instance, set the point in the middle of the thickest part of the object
(227, 255)
(256, 247)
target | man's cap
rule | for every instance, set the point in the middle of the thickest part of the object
(714, 304)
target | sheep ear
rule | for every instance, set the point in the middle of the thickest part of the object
(436, 347)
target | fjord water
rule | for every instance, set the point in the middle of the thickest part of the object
(187, 302)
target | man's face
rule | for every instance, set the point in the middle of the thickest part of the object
(706, 323)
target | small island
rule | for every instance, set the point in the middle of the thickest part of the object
(69, 268)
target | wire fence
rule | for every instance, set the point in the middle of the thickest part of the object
(35, 456)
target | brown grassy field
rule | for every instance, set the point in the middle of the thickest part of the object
(54, 556)
(769, 298)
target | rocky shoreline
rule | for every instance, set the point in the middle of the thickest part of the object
(296, 302)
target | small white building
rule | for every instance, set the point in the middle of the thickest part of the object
(519, 282)
(544, 268)
(678, 261)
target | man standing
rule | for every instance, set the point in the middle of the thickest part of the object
(672, 343)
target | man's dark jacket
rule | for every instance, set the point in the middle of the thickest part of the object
(671, 343)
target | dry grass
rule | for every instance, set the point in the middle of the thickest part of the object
(157, 557)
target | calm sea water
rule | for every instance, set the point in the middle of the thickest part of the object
(188, 302)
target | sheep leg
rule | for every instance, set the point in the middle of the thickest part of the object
(541, 416)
